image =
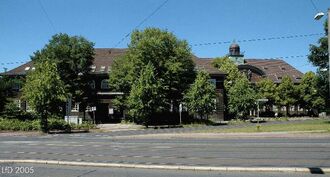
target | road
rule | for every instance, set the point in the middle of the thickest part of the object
(74, 171)
(311, 151)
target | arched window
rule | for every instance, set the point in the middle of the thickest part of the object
(92, 84)
(105, 84)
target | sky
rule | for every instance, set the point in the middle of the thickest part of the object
(27, 25)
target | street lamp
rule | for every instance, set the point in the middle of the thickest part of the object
(318, 16)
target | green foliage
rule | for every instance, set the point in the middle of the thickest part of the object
(30, 125)
(170, 57)
(229, 67)
(266, 88)
(309, 92)
(200, 97)
(18, 125)
(44, 90)
(242, 97)
(286, 93)
(73, 56)
(319, 57)
(144, 98)
(6, 84)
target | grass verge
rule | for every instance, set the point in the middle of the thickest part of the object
(309, 125)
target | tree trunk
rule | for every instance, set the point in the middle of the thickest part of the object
(44, 123)
(287, 107)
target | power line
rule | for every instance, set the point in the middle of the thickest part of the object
(144, 20)
(259, 39)
(46, 14)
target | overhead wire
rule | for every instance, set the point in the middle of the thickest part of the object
(141, 23)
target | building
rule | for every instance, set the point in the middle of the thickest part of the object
(255, 69)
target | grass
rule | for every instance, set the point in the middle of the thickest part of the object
(310, 125)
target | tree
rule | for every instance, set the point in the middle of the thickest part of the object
(144, 97)
(242, 97)
(200, 97)
(170, 57)
(73, 56)
(266, 88)
(286, 94)
(319, 57)
(43, 90)
(229, 67)
(309, 92)
(240, 94)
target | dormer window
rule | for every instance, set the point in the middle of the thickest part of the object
(279, 78)
(102, 69)
(265, 67)
(33, 68)
(282, 68)
(298, 78)
(93, 68)
(27, 68)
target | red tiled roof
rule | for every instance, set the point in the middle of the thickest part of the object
(104, 58)
(276, 69)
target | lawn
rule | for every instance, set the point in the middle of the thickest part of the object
(310, 125)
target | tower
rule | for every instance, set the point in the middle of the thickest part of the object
(235, 54)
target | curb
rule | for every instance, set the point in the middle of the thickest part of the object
(174, 167)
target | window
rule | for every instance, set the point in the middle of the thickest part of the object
(27, 68)
(16, 87)
(27, 107)
(105, 84)
(18, 103)
(265, 67)
(92, 84)
(75, 108)
(279, 78)
(282, 68)
(93, 68)
(213, 81)
(109, 69)
(102, 69)
(33, 68)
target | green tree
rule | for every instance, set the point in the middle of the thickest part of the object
(266, 88)
(240, 94)
(229, 67)
(309, 92)
(242, 97)
(286, 94)
(43, 90)
(144, 97)
(319, 57)
(170, 57)
(200, 97)
(73, 56)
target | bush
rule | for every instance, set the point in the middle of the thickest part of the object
(18, 125)
(58, 124)
(29, 125)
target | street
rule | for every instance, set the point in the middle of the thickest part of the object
(310, 151)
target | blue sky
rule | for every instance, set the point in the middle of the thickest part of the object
(25, 28)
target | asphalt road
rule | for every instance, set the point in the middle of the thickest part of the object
(246, 152)
(74, 171)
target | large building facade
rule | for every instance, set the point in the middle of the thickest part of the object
(255, 69)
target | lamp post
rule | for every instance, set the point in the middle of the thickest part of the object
(318, 16)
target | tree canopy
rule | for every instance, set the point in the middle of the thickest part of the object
(286, 93)
(144, 99)
(44, 90)
(309, 92)
(170, 57)
(266, 88)
(73, 56)
(319, 57)
(241, 95)
(200, 97)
